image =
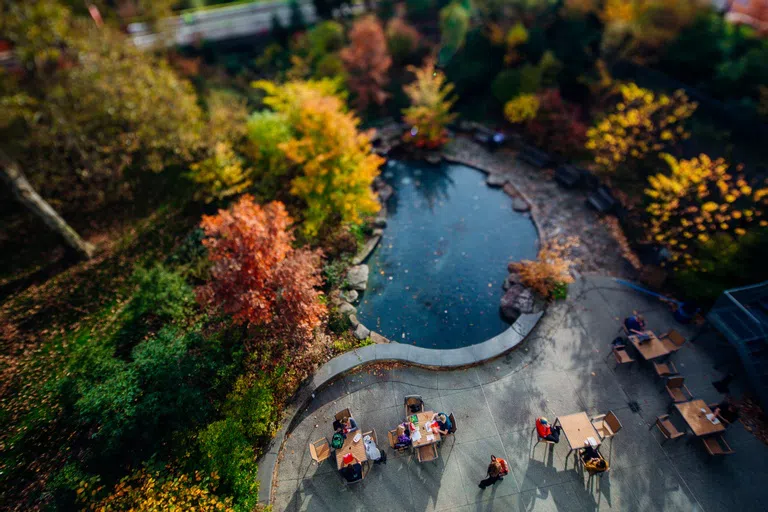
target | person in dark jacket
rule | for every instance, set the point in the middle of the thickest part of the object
(352, 471)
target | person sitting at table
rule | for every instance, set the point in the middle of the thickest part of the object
(348, 424)
(403, 437)
(635, 324)
(727, 411)
(443, 423)
(352, 470)
(593, 461)
(546, 432)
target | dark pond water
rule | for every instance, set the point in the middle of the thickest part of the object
(436, 275)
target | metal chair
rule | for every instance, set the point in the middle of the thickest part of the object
(320, 450)
(415, 400)
(607, 425)
(667, 428)
(343, 414)
(540, 439)
(673, 340)
(666, 369)
(677, 390)
(426, 453)
(717, 445)
(621, 355)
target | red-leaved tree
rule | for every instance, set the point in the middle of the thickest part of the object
(557, 126)
(258, 277)
(367, 61)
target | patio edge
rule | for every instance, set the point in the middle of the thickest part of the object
(343, 364)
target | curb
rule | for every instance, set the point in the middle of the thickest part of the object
(435, 359)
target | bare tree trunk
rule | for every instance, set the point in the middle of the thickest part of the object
(12, 175)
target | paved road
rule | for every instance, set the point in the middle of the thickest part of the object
(560, 369)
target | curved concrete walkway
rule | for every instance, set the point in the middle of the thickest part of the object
(559, 369)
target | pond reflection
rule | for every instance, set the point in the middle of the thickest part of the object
(436, 276)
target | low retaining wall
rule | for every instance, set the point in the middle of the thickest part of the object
(387, 352)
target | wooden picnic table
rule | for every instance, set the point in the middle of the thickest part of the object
(697, 420)
(577, 429)
(652, 348)
(355, 448)
(424, 418)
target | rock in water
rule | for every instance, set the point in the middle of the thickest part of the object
(349, 296)
(524, 302)
(357, 277)
(496, 180)
(517, 300)
(362, 332)
(347, 309)
(512, 278)
(520, 205)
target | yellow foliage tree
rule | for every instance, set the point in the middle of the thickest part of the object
(642, 123)
(522, 108)
(221, 174)
(698, 200)
(650, 24)
(144, 491)
(430, 110)
(335, 158)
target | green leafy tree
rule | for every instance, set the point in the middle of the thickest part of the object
(454, 23)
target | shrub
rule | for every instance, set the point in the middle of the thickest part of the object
(510, 83)
(162, 293)
(325, 37)
(402, 40)
(349, 342)
(367, 61)
(336, 160)
(454, 23)
(557, 125)
(640, 125)
(335, 272)
(257, 276)
(515, 37)
(252, 404)
(699, 200)
(155, 491)
(418, 9)
(266, 131)
(227, 453)
(522, 108)
(551, 270)
(221, 174)
(430, 110)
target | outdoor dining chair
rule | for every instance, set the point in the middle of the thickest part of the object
(673, 340)
(453, 423)
(677, 390)
(717, 445)
(607, 425)
(343, 414)
(319, 450)
(621, 355)
(540, 439)
(392, 436)
(413, 400)
(667, 369)
(427, 453)
(667, 428)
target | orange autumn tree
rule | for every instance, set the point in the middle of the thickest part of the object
(430, 110)
(367, 61)
(698, 200)
(256, 274)
(335, 162)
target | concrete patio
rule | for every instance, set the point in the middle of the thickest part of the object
(560, 368)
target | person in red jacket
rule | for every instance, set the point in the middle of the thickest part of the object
(547, 432)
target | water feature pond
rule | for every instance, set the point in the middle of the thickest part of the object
(435, 278)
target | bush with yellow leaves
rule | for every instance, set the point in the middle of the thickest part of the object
(549, 274)
(641, 124)
(221, 174)
(144, 491)
(521, 109)
(698, 200)
(334, 159)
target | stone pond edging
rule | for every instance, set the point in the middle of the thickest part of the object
(436, 359)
